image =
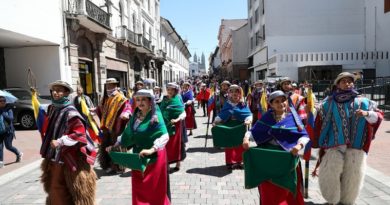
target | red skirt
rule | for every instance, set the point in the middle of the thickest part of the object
(234, 155)
(150, 188)
(190, 118)
(174, 144)
(275, 195)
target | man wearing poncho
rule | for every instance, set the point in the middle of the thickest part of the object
(233, 114)
(345, 126)
(172, 109)
(188, 99)
(147, 134)
(114, 112)
(69, 154)
(254, 100)
(281, 135)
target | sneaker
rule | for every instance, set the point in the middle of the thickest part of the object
(19, 157)
(1, 164)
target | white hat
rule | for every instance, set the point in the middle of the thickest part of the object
(286, 79)
(276, 94)
(61, 83)
(173, 85)
(111, 81)
(234, 87)
(144, 93)
(344, 75)
(225, 82)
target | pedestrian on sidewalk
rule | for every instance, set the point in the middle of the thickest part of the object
(69, 154)
(277, 130)
(188, 99)
(344, 128)
(172, 109)
(234, 112)
(7, 131)
(114, 112)
(147, 133)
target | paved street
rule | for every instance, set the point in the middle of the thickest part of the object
(203, 178)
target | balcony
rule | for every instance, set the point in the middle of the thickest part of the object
(147, 44)
(125, 34)
(162, 55)
(89, 15)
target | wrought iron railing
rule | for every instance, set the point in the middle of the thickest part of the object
(146, 43)
(86, 7)
(97, 13)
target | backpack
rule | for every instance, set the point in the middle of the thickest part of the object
(4, 126)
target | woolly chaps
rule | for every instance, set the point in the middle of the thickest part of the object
(67, 187)
(341, 175)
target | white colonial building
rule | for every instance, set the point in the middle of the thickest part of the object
(316, 39)
(82, 42)
(176, 67)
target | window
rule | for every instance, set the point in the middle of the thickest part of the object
(250, 23)
(250, 4)
(256, 15)
(257, 38)
(134, 22)
(387, 6)
(263, 32)
(121, 14)
(150, 34)
(263, 7)
(252, 42)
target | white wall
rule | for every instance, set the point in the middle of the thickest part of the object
(43, 61)
(39, 19)
(240, 44)
(314, 25)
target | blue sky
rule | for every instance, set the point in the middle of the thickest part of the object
(198, 20)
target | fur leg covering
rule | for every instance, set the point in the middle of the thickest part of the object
(352, 177)
(81, 184)
(45, 177)
(330, 172)
(103, 157)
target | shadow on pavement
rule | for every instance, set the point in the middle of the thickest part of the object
(9, 163)
(216, 171)
(210, 150)
(312, 203)
(203, 136)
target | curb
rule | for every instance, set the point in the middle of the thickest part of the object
(19, 172)
(378, 176)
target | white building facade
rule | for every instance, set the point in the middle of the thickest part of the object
(315, 40)
(87, 42)
(177, 65)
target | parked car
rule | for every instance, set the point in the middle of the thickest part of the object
(23, 110)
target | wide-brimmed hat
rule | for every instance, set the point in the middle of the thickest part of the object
(111, 81)
(139, 82)
(259, 82)
(156, 87)
(225, 82)
(61, 83)
(286, 79)
(144, 93)
(173, 85)
(344, 75)
(187, 83)
(276, 94)
(234, 87)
